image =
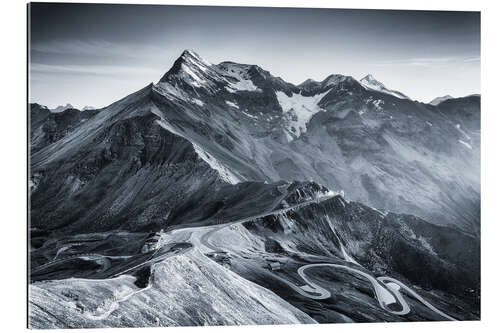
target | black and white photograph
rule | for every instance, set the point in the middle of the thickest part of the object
(221, 165)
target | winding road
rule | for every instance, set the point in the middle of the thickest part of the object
(387, 289)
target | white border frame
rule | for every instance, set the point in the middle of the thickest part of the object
(14, 161)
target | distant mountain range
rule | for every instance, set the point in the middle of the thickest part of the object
(68, 106)
(438, 100)
(62, 108)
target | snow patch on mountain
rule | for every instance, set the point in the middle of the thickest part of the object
(238, 77)
(195, 79)
(465, 144)
(301, 108)
(62, 108)
(168, 90)
(197, 101)
(242, 85)
(370, 83)
(193, 58)
(194, 71)
(249, 115)
(459, 128)
(377, 104)
(168, 127)
(234, 105)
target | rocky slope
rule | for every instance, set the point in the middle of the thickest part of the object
(185, 290)
(47, 127)
(439, 261)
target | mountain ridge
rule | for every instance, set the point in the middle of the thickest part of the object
(261, 127)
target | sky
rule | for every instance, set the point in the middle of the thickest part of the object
(95, 54)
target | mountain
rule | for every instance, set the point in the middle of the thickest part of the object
(230, 164)
(371, 83)
(438, 100)
(62, 108)
(385, 151)
(88, 107)
(382, 150)
(47, 126)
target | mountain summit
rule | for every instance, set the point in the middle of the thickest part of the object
(371, 83)
(438, 100)
(62, 108)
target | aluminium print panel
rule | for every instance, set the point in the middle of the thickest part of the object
(242, 165)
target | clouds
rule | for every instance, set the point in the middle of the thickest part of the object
(97, 70)
(92, 72)
(429, 61)
(99, 48)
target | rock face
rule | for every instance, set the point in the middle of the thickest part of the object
(216, 144)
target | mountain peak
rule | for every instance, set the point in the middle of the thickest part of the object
(62, 108)
(438, 100)
(190, 54)
(308, 82)
(189, 67)
(369, 79)
(369, 82)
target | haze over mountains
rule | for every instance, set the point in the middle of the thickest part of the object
(68, 106)
(229, 143)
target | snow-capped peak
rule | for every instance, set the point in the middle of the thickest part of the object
(369, 82)
(193, 57)
(62, 108)
(191, 69)
(189, 53)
